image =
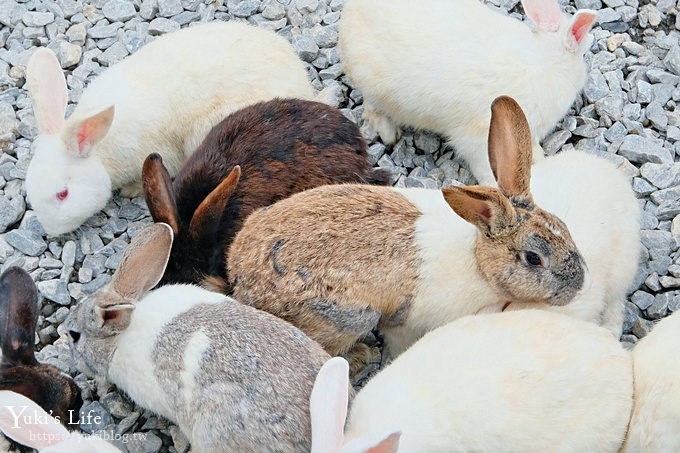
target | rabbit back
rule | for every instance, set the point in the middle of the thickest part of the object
(232, 377)
(241, 75)
(447, 61)
(282, 146)
(529, 381)
(655, 423)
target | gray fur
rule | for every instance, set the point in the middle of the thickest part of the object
(352, 320)
(244, 386)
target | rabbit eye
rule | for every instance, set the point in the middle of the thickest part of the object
(75, 336)
(532, 259)
(62, 195)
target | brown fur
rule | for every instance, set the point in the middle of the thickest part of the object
(376, 224)
(283, 146)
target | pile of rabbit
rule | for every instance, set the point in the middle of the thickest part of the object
(279, 207)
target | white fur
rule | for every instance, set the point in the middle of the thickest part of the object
(526, 381)
(597, 203)
(446, 251)
(197, 345)
(655, 423)
(235, 65)
(131, 366)
(438, 65)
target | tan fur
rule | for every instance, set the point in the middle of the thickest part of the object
(289, 279)
(509, 140)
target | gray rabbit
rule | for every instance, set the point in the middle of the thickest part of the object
(233, 378)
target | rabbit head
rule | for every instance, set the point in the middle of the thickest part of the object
(23, 421)
(551, 24)
(195, 240)
(65, 181)
(20, 372)
(526, 253)
(98, 318)
(328, 408)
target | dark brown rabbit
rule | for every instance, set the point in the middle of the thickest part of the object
(20, 372)
(253, 158)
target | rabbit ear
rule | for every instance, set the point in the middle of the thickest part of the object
(207, 216)
(388, 445)
(510, 148)
(18, 316)
(578, 28)
(25, 422)
(144, 261)
(47, 86)
(545, 14)
(158, 192)
(484, 207)
(328, 406)
(82, 134)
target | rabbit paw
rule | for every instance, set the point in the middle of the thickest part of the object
(361, 355)
(132, 190)
(389, 132)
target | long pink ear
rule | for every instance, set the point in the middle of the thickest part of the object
(47, 87)
(578, 29)
(328, 406)
(545, 14)
(25, 422)
(390, 444)
(81, 135)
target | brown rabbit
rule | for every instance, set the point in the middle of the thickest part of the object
(253, 158)
(339, 261)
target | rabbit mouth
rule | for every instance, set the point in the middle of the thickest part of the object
(505, 305)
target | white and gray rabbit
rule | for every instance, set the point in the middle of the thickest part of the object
(438, 64)
(25, 422)
(164, 98)
(233, 378)
(338, 261)
(524, 381)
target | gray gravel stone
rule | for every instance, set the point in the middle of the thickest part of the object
(169, 8)
(55, 290)
(305, 47)
(94, 417)
(26, 242)
(642, 299)
(113, 54)
(119, 10)
(161, 25)
(641, 150)
(662, 175)
(36, 19)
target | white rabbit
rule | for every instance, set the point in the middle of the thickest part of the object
(525, 381)
(597, 203)
(25, 422)
(438, 64)
(655, 423)
(166, 97)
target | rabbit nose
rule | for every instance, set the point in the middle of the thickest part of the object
(75, 336)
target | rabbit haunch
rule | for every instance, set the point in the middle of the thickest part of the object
(233, 378)
(281, 147)
(448, 60)
(337, 261)
(125, 114)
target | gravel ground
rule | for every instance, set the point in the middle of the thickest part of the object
(627, 112)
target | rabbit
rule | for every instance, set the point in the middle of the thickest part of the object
(523, 381)
(52, 389)
(24, 421)
(278, 147)
(231, 377)
(328, 409)
(206, 71)
(402, 63)
(339, 261)
(655, 422)
(597, 203)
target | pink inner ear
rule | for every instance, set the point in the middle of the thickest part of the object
(545, 14)
(83, 134)
(581, 25)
